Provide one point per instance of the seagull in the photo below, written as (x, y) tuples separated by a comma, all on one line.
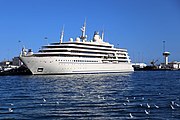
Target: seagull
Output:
[(177, 104), (156, 106), (146, 112), (11, 104), (10, 110), (57, 103), (131, 115), (142, 98), (103, 98), (44, 99), (134, 98), (124, 103), (172, 107), (99, 96), (148, 105), (141, 105), (113, 98), (172, 102), (128, 101)]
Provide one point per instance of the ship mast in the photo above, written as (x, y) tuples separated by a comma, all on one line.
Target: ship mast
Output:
[(102, 36), (62, 35), (83, 29)]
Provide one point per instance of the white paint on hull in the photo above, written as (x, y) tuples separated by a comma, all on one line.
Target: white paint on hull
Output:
[(66, 65)]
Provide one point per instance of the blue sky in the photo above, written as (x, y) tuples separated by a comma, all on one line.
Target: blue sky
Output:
[(141, 26)]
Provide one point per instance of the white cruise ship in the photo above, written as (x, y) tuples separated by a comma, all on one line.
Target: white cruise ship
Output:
[(77, 56)]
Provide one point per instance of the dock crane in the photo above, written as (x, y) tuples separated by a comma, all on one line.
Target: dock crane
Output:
[(153, 63)]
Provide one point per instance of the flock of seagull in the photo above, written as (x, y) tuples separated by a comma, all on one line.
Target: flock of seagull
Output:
[(173, 105)]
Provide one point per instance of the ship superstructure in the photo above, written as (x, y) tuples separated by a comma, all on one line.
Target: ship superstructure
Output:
[(77, 56)]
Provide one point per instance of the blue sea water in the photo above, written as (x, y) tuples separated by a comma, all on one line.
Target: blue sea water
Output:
[(149, 95)]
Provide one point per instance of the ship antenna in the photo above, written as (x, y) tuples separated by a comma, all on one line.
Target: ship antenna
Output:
[(102, 37), (164, 47), (62, 35), (83, 29)]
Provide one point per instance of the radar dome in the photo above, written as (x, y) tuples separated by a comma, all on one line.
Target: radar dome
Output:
[(78, 39), (70, 39), (96, 37)]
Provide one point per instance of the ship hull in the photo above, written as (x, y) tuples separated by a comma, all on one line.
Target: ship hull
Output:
[(66, 65)]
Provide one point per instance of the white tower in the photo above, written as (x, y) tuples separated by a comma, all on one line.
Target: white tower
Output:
[(166, 54)]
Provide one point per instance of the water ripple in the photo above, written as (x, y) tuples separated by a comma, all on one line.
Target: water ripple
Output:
[(137, 96)]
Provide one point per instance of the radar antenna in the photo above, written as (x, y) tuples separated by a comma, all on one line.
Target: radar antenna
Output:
[(164, 46), (62, 35), (83, 29), (102, 36)]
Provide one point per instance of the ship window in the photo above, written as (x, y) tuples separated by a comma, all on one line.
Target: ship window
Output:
[(40, 70)]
